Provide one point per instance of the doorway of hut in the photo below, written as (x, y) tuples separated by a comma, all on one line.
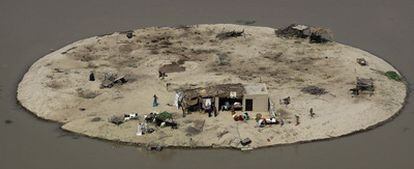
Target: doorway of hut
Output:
[(229, 103), (249, 105)]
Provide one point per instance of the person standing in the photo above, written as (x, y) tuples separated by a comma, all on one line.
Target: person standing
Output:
[(91, 76), (155, 101), (312, 114)]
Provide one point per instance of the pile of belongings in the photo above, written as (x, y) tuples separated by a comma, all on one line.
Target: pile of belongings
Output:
[(245, 142), (121, 119), (154, 148), (237, 105), (362, 61), (262, 122), (243, 117), (285, 101), (293, 30), (228, 106), (129, 33), (314, 90), (143, 129), (363, 84), (231, 34), (133, 116), (110, 80), (320, 35), (162, 119), (315, 34)]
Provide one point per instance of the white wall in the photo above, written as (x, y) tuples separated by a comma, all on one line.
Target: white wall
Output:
[(260, 102)]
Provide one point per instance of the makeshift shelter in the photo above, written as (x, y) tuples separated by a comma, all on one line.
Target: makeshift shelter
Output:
[(256, 98), (250, 97), (320, 35), (293, 30), (363, 85), (204, 98), (315, 34)]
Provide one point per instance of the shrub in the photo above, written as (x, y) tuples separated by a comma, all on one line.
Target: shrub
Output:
[(393, 75)]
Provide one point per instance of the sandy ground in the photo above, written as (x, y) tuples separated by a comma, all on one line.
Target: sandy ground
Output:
[(56, 87)]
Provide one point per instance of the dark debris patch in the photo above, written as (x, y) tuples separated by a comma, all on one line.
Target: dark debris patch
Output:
[(173, 67), (8, 121), (96, 119), (230, 34), (314, 90)]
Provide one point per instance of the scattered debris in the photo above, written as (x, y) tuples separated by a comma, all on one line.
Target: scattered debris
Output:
[(258, 116), (314, 90), (362, 61), (111, 79), (96, 119), (154, 148), (162, 75), (150, 118), (222, 133), (297, 120), (270, 138), (64, 52), (231, 34), (320, 35), (162, 119), (285, 101), (272, 56), (116, 120), (240, 117), (133, 116), (59, 70), (129, 34), (262, 122), (223, 59), (150, 130), (185, 27), (143, 129), (315, 34), (170, 68), (245, 142), (292, 31), (164, 116), (393, 75), (363, 84)]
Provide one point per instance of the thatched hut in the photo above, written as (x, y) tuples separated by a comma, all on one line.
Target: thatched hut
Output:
[(250, 97)]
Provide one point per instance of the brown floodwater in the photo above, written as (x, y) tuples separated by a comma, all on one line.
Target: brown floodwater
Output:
[(30, 29)]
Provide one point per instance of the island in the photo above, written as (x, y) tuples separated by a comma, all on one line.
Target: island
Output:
[(213, 86)]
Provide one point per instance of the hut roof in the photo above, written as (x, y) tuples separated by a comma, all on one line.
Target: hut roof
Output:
[(221, 90), (256, 89)]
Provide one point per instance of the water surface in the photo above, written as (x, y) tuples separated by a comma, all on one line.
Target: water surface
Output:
[(30, 29)]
